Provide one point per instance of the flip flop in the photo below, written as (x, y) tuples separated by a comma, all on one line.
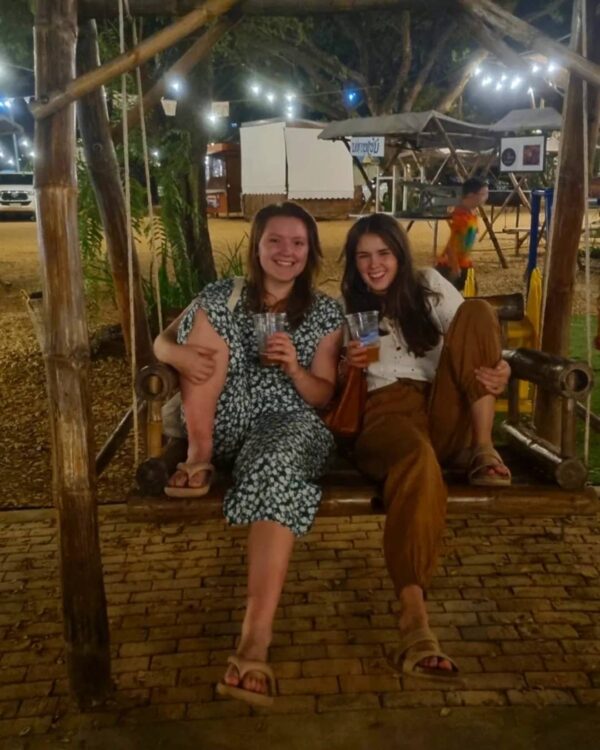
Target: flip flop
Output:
[(487, 458), (191, 469), (422, 644), (244, 666)]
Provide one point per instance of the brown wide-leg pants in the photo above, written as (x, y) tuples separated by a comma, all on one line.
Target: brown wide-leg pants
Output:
[(411, 428)]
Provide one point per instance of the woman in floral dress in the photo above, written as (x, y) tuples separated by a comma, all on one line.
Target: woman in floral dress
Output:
[(261, 421)]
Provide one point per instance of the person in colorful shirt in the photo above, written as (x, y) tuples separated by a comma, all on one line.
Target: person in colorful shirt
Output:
[(455, 260)]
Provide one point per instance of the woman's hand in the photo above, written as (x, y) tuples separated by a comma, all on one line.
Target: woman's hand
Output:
[(281, 349), (356, 354), (195, 363), (494, 378)]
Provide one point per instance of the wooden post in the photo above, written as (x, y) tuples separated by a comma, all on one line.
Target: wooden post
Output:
[(53, 101), (103, 166), (565, 234), (67, 356)]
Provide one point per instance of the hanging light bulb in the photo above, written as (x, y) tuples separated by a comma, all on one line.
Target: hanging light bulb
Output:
[(516, 82), (477, 72), (290, 96), (255, 88), (486, 81), (499, 86), (535, 68), (271, 97)]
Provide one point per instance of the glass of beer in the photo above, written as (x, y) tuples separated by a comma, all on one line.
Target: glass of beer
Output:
[(364, 327), (265, 325)]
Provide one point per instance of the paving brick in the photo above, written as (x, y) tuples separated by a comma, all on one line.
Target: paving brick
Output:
[(540, 698), (25, 690), (557, 679), (413, 699), (320, 667), (20, 727), (476, 698), (347, 702), (588, 697), (308, 686), (8, 709), (517, 663), (147, 648), (370, 683)]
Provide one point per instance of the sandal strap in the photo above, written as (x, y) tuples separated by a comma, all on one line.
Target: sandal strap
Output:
[(195, 467), (244, 666), (432, 649), (420, 635), (486, 458)]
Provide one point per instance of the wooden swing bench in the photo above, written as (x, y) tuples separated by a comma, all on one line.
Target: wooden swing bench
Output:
[(559, 486)]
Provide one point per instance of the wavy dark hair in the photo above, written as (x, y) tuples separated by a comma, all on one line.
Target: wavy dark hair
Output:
[(408, 299), (302, 295)]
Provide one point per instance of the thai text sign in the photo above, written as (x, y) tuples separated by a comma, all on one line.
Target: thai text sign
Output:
[(371, 146)]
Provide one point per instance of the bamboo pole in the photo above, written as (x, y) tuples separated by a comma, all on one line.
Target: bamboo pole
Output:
[(103, 167), (521, 31), (109, 8), (462, 172), (67, 356), (52, 102), (195, 54), (565, 233)]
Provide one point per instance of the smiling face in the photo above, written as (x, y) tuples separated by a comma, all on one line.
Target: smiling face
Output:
[(283, 248), (376, 263)]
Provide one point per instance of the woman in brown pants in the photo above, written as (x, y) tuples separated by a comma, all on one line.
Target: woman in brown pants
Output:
[(431, 399)]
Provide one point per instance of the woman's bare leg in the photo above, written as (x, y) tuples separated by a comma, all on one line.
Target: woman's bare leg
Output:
[(270, 547), (200, 401)]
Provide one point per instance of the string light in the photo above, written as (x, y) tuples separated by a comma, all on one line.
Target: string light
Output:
[(212, 118), (271, 97), (155, 153), (290, 96), (255, 89), (499, 86), (534, 68), (24, 142), (516, 82), (551, 67), (176, 85), (477, 72), (486, 81)]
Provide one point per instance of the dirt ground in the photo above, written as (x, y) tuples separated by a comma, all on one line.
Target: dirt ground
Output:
[(25, 475)]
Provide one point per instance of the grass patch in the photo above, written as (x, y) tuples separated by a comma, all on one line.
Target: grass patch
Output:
[(579, 351)]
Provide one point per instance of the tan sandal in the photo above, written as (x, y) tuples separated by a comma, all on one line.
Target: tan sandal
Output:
[(244, 666), (191, 469), (484, 458), (422, 644)]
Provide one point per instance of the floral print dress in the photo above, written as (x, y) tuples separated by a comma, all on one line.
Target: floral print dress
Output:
[(274, 441)]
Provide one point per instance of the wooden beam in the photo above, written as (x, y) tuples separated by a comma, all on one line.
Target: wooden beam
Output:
[(462, 172), (103, 166), (519, 30), (110, 9), (195, 54), (55, 100), (67, 357)]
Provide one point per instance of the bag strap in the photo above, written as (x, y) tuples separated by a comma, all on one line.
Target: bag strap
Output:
[(239, 282)]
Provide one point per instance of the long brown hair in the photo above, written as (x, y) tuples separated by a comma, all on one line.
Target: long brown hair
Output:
[(302, 294), (408, 299)]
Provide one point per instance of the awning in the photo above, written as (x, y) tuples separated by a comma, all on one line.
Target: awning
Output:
[(8, 127), (416, 129), (518, 120)]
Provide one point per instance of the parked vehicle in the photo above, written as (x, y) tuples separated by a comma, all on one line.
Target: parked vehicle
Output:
[(16, 193)]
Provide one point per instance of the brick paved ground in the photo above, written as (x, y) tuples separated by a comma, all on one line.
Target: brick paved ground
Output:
[(516, 601)]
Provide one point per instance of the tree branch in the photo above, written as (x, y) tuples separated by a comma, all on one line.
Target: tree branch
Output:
[(461, 80), (396, 87), (417, 87)]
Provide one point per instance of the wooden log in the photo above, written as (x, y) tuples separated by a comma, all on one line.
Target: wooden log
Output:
[(533, 39), (53, 101), (570, 473), (567, 219), (110, 9), (561, 377), (200, 49), (116, 439), (67, 358), (158, 374), (103, 166)]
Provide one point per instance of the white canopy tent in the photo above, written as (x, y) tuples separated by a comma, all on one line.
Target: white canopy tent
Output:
[(286, 160)]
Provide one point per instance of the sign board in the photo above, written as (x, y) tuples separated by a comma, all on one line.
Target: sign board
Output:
[(523, 154), (220, 109), (370, 146)]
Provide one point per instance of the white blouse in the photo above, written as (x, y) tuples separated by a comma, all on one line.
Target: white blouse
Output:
[(395, 361)]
